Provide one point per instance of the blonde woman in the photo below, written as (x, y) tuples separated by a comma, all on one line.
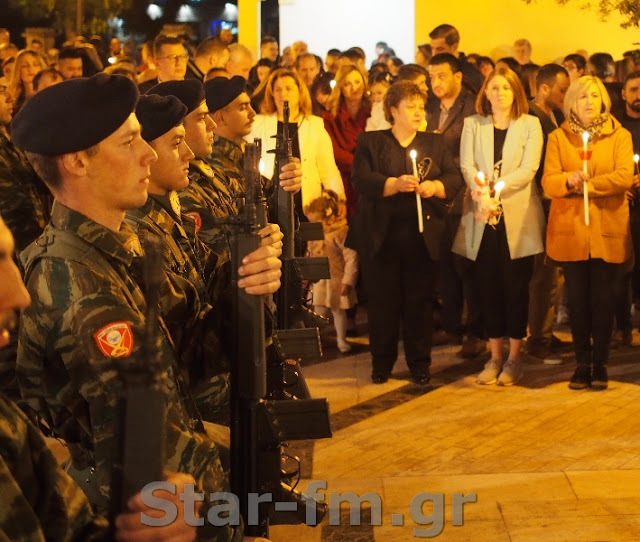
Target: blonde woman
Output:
[(28, 64), (591, 253), (348, 109), (310, 141)]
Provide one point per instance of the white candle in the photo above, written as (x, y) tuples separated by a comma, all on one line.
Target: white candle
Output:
[(585, 168), (636, 158), (413, 154), (498, 188)]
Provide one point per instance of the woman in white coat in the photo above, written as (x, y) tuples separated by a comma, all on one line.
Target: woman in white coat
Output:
[(311, 142), (502, 144)]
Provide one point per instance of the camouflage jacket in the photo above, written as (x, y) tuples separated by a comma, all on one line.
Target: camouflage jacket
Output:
[(205, 200), (226, 160), (201, 350), (38, 500), (226, 163), (87, 314), (25, 206), (25, 201)]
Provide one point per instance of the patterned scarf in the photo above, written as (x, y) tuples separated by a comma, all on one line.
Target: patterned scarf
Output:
[(594, 129)]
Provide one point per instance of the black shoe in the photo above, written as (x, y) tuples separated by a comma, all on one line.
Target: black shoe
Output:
[(379, 378), (599, 377), (421, 380), (421, 377), (581, 379)]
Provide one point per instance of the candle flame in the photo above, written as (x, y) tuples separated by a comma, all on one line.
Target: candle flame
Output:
[(261, 167), (332, 84), (636, 158), (413, 154), (480, 175), (585, 136), (499, 186)]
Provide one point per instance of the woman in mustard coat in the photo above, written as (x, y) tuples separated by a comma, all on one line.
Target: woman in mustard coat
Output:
[(591, 249)]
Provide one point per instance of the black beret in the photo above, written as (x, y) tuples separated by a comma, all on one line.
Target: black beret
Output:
[(74, 115), (158, 114), (221, 91), (189, 92)]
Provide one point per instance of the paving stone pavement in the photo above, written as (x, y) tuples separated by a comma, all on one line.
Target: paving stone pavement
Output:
[(545, 463)]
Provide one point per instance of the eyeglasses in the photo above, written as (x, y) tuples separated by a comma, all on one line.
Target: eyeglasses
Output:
[(175, 58)]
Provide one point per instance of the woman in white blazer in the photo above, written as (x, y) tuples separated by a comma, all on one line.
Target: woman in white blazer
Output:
[(311, 142), (504, 144)]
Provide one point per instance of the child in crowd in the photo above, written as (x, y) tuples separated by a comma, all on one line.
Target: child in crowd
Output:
[(337, 293)]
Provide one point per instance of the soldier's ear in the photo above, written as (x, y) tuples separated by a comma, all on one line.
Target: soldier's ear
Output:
[(75, 163)]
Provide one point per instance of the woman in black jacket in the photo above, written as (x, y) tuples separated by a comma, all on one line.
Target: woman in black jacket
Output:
[(397, 259)]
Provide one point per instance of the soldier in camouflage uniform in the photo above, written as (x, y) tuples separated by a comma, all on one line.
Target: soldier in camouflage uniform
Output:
[(25, 204), (88, 310), (38, 501), (208, 196), (230, 108), (160, 218)]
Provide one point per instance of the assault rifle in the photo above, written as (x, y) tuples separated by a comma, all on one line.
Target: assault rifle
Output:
[(297, 334), (142, 405), (259, 426)]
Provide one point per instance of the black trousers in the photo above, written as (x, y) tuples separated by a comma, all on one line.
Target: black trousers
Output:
[(399, 283), (592, 287), (504, 285), (457, 281)]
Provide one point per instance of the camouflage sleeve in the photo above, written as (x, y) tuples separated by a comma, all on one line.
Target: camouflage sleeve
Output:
[(38, 501), (70, 337)]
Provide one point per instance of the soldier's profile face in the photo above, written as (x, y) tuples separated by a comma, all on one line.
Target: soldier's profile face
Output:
[(118, 173), (239, 115), (199, 127), (171, 170), (13, 294)]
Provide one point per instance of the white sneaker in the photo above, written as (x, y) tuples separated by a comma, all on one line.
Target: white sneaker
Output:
[(562, 316), (490, 372), (511, 373)]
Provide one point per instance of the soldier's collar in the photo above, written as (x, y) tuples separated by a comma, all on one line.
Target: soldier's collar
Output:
[(202, 167), (169, 202), (228, 147), (123, 245)]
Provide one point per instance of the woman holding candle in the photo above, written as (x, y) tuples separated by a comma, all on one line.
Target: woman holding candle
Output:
[(397, 260), (592, 251), (501, 146)]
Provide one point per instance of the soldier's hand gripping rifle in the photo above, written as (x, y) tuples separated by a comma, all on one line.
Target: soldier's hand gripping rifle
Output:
[(142, 409), (297, 334), (258, 427)]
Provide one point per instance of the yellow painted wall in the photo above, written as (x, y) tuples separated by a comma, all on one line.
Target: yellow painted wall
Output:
[(490, 27)]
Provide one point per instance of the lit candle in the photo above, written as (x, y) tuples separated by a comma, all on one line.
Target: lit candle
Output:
[(585, 168), (498, 188), (413, 154), (636, 158), (332, 84)]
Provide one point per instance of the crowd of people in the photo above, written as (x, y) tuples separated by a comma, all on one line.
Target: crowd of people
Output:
[(489, 193)]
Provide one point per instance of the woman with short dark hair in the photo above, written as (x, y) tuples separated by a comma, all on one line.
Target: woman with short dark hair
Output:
[(397, 259)]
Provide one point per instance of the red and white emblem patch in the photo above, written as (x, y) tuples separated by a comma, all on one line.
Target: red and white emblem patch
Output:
[(115, 340), (196, 218)]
